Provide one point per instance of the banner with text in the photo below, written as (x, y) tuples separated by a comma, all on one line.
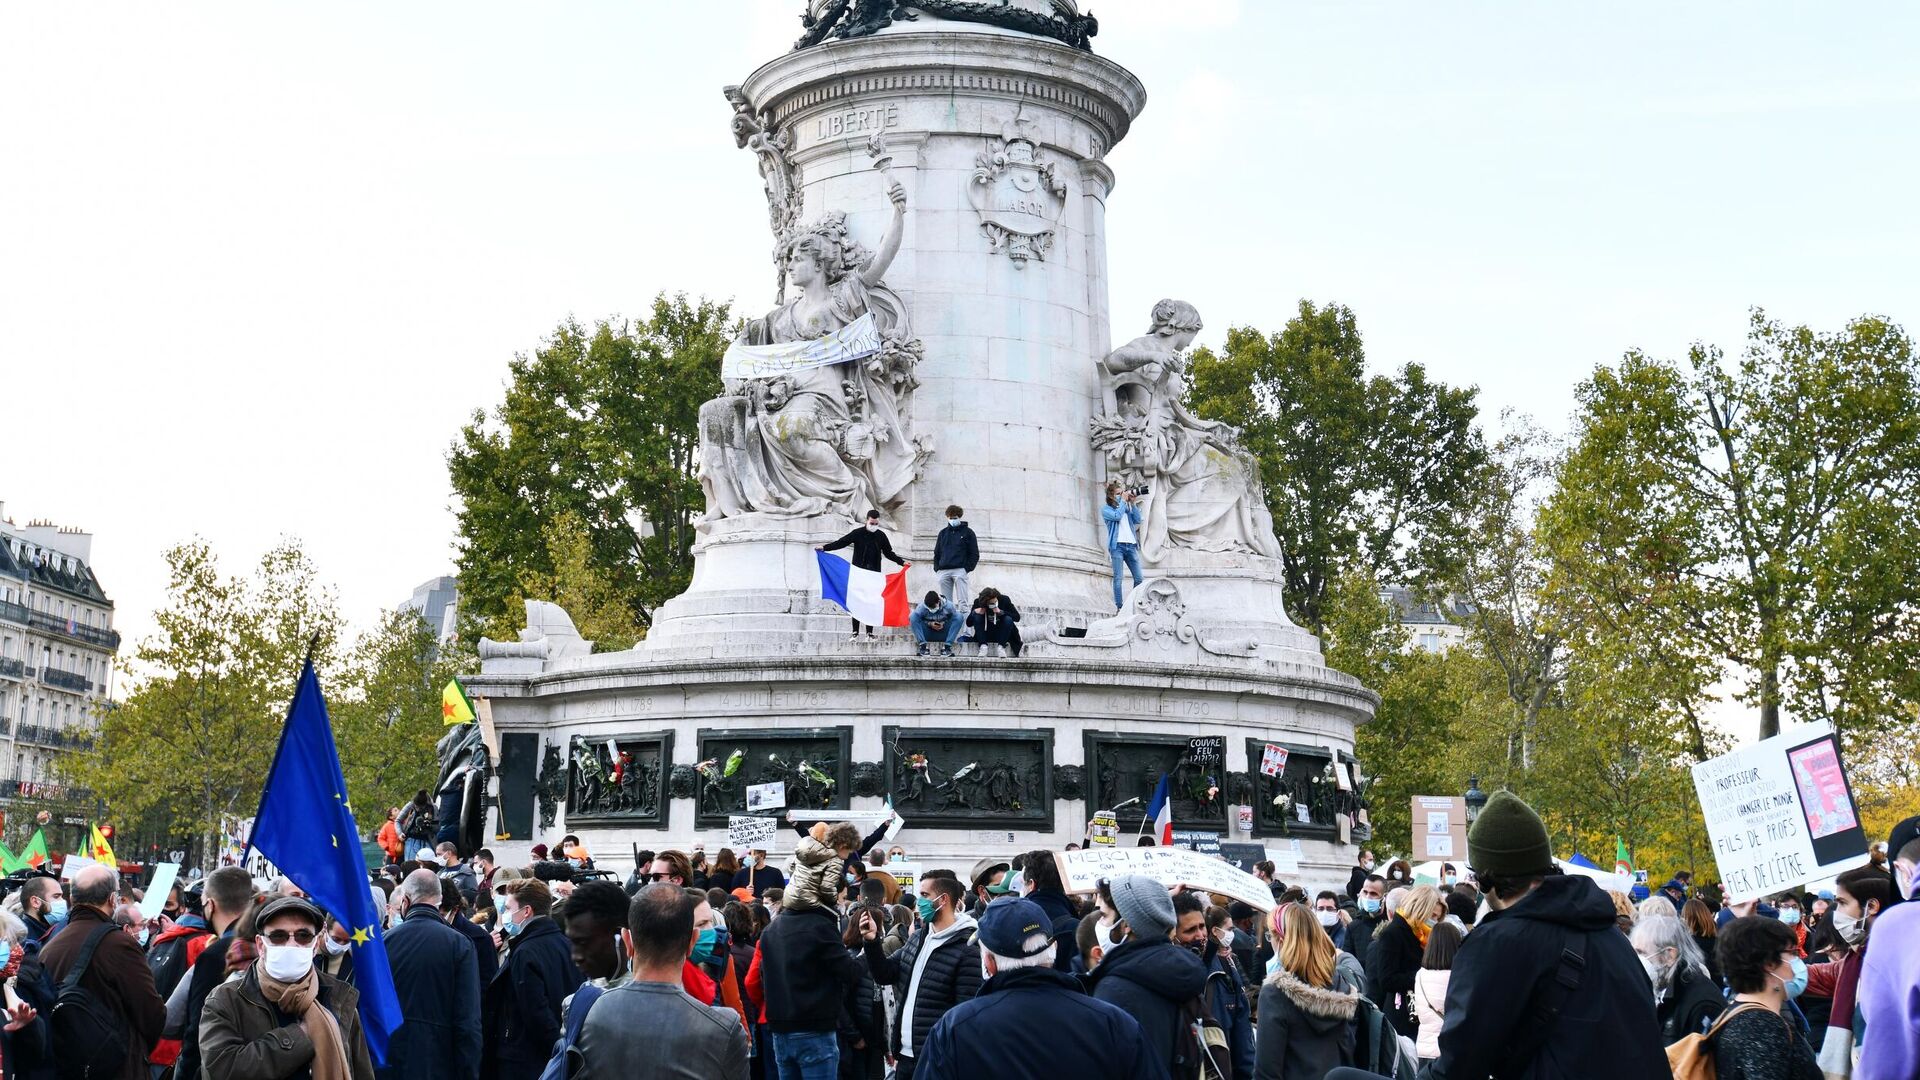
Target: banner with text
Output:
[(1780, 812), (1081, 870), (747, 833)]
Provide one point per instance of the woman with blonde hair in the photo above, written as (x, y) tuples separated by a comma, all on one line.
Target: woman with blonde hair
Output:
[(1394, 959), (1307, 1005)]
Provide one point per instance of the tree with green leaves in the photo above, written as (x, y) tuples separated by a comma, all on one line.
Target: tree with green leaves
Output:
[(1763, 514), (598, 436), (386, 715), (1368, 474)]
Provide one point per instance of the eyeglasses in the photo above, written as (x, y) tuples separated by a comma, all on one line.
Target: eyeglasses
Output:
[(298, 937), (661, 877)]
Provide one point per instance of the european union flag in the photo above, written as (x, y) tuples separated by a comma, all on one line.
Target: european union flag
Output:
[(305, 826)]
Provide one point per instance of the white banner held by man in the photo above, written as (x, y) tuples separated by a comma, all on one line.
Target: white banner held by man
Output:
[(1780, 812), (855, 341), (1081, 870)]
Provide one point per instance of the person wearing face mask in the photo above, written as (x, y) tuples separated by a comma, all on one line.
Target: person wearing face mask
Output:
[(994, 622), (520, 1008), (1365, 912), (1040, 882), (41, 906), (1859, 896), (956, 551), (334, 956), (1754, 1039), (1358, 875), (1686, 999), (708, 973), (226, 896), (1786, 908), (863, 1016), (450, 866), (280, 1018), (116, 973), (870, 545), (437, 979), (1148, 976), (1890, 973), (938, 968), (1395, 953), (1326, 909), (1225, 993)]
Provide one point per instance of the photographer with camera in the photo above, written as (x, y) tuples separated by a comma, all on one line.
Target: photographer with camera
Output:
[(1123, 517)]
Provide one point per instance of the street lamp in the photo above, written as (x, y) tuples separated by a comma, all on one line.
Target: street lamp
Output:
[(1476, 799)]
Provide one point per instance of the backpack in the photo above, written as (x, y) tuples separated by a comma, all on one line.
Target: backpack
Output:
[(566, 1059), (171, 958), (1692, 1057), (1201, 1050), (1376, 1045), (92, 1038)]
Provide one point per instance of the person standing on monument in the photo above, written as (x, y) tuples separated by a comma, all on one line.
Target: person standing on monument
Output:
[(956, 551), (870, 545), (1123, 517)]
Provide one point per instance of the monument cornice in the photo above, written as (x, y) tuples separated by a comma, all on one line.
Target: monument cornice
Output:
[(951, 62)]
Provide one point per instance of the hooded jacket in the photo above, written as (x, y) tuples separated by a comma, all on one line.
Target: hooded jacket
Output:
[(1036, 1024), (1063, 925), (956, 548), (1506, 976), (1304, 1030), (951, 976), (1151, 981)]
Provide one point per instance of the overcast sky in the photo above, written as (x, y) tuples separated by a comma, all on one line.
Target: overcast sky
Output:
[(258, 262)]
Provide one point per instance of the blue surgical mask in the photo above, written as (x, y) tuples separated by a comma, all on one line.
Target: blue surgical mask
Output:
[(57, 910), (1799, 983), (928, 909), (1789, 915), (508, 926), (145, 932), (1369, 905), (6, 952), (703, 945)]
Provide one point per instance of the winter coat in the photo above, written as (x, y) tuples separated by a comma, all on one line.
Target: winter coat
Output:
[(1691, 1003), (1063, 925), (1151, 981), (1392, 959), (390, 841), (1506, 976), (804, 971), (1036, 1024), (1361, 927), (243, 1036), (521, 1007), (437, 980), (117, 977), (1356, 879), (1429, 1009), (999, 627), (869, 547), (956, 548), (486, 958), (1229, 1003), (1304, 1030), (951, 976), (766, 877), (861, 1021)]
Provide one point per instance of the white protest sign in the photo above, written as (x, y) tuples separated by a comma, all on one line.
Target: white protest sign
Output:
[(807, 813), (1780, 812), (73, 865), (747, 833), (155, 901), (1081, 870), (766, 796), (906, 873), (1104, 830), (1273, 760), (894, 826), (859, 338)]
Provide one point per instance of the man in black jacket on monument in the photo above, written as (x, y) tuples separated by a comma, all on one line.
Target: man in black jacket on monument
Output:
[(956, 551), (870, 545)]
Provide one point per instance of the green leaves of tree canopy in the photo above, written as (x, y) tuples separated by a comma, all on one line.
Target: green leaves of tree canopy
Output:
[(598, 433), (1362, 472)]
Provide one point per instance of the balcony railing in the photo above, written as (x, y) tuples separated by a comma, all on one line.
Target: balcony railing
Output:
[(42, 735), (65, 680), (13, 612), (12, 667), (92, 635)]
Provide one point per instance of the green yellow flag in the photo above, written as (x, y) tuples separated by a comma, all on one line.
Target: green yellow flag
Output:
[(454, 706), (100, 851), (1622, 859), (33, 856)]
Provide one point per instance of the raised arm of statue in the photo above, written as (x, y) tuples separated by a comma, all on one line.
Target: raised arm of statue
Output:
[(890, 243)]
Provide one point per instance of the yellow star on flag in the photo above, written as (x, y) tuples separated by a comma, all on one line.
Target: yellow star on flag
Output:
[(363, 935)]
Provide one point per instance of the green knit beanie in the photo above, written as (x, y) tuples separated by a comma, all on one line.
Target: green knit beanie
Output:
[(1508, 839)]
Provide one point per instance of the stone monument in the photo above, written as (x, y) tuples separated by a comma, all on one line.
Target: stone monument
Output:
[(936, 191)]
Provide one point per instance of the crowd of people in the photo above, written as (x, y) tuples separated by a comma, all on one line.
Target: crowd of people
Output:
[(836, 969)]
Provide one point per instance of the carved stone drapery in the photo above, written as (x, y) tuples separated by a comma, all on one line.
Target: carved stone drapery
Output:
[(618, 779), (814, 763), (1307, 781), (869, 779), (957, 778), (1069, 782), (1129, 767), (551, 788)]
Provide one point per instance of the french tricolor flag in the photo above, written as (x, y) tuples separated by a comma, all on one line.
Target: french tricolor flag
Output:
[(1161, 811), (868, 595)]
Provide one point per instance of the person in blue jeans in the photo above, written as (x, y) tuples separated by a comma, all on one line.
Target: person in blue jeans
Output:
[(933, 619), (1123, 517)]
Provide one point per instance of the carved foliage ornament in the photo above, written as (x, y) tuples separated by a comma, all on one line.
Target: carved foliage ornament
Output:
[(1019, 197), (860, 18)]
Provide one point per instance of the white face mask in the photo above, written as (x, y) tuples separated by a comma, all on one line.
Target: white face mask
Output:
[(1327, 918), (287, 963), (1108, 933), (335, 948), (872, 527), (1851, 930)]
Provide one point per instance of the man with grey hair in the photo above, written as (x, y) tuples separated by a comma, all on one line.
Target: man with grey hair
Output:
[(436, 976), (116, 971), (1030, 1020), (1686, 999)]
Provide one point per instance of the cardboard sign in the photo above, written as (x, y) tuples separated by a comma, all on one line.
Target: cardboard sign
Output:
[(766, 796), (1780, 812), (1340, 776), (1206, 843), (1273, 760), (1207, 751), (1104, 829), (747, 833), (1439, 827), (1080, 870)]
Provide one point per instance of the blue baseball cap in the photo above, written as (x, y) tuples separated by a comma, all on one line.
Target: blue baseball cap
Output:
[(1007, 924)]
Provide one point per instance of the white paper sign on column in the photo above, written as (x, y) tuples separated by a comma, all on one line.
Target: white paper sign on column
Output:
[(1780, 812)]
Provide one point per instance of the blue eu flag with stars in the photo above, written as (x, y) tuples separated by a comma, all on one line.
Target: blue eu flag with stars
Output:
[(305, 827)]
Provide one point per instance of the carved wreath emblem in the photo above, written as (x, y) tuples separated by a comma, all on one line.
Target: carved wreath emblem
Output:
[(1019, 198)]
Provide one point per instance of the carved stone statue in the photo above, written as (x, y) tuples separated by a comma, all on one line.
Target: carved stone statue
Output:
[(1057, 19), (831, 438), (755, 131), (1204, 489)]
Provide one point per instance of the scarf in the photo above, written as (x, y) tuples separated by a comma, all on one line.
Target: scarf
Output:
[(1420, 929), (303, 1000), (1836, 1050)]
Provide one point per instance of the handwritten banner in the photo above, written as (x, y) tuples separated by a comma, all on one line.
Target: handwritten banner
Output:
[(1780, 812)]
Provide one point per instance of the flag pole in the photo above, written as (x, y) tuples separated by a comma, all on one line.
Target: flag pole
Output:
[(1143, 817)]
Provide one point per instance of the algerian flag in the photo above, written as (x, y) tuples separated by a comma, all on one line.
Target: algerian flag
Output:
[(1622, 860), (454, 706)]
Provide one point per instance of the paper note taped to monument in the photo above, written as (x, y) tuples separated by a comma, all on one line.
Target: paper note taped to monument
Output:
[(747, 833), (767, 796), (856, 340), (1081, 870), (1780, 812), (1273, 760)]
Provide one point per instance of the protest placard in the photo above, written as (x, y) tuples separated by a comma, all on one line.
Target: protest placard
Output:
[(1104, 830), (1273, 760), (747, 833), (1207, 751), (1439, 827), (906, 873), (1780, 812), (766, 796), (1206, 843), (155, 900), (1080, 870)]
